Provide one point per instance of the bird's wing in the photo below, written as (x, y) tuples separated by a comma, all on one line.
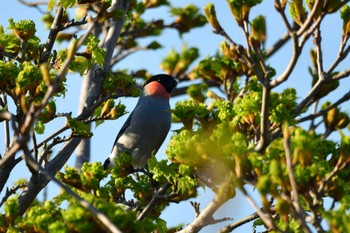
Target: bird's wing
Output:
[(122, 130)]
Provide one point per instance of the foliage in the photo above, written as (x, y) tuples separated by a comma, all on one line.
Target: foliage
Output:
[(239, 128)]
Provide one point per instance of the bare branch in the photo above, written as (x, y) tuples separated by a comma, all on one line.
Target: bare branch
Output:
[(34, 4), (341, 164), (342, 74), (9, 154), (114, 31), (205, 217), (345, 97), (342, 54), (306, 35), (238, 223), (52, 35), (264, 126), (7, 163), (72, 23), (120, 56), (280, 10), (310, 19), (319, 54), (293, 61), (264, 217), (11, 191), (275, 47)]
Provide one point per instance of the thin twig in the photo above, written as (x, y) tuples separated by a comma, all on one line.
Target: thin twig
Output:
[(120, 56), (11, 191), (153, 201), (33, 4), (345, 97), (306, 35), (342, 54), (280, 10), (9, 154), (72, 23), (239, 223), (52, 35), (310, 19), (264, 217), (275, 47), (341, 75), (339, 167), (292, 62), (35, 146), (205, 217)]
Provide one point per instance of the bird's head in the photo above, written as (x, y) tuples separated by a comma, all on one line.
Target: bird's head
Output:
[(160, 85)]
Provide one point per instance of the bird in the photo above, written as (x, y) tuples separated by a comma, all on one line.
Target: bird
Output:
[(148, 124)]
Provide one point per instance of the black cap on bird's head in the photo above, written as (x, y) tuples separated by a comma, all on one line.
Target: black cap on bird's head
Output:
[(167, 81)]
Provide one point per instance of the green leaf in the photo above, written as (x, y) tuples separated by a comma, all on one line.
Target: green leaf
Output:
[(97, 53), (39, 127), (11, 207), (154, 45), (79, 65), (161, 225), (51, 4), (169, 62), (67, 3), (80, 128)]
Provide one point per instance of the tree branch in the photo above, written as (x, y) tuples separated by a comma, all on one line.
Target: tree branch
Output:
[(38, 182), (300, 214), (264, 217), (102, 219), (52, 36), (275, 47), (238, 223), (264, 125), (205, 217), (310, 19), (345, 97), (156, 196), (114, 31), (342, 54), (90, 89), (293, 61), (10, 192)]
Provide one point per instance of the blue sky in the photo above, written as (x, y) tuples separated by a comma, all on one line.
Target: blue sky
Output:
[(207, 42)]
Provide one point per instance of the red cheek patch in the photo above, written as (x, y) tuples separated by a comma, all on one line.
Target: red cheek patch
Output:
[(156, 89)]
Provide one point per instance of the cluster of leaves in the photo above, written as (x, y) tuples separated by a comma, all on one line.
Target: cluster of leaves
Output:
[(30, 69), (219, 137), (26, 82), (295, 171), (217, 142), (106, 191), (23, 80), (221, 128)]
